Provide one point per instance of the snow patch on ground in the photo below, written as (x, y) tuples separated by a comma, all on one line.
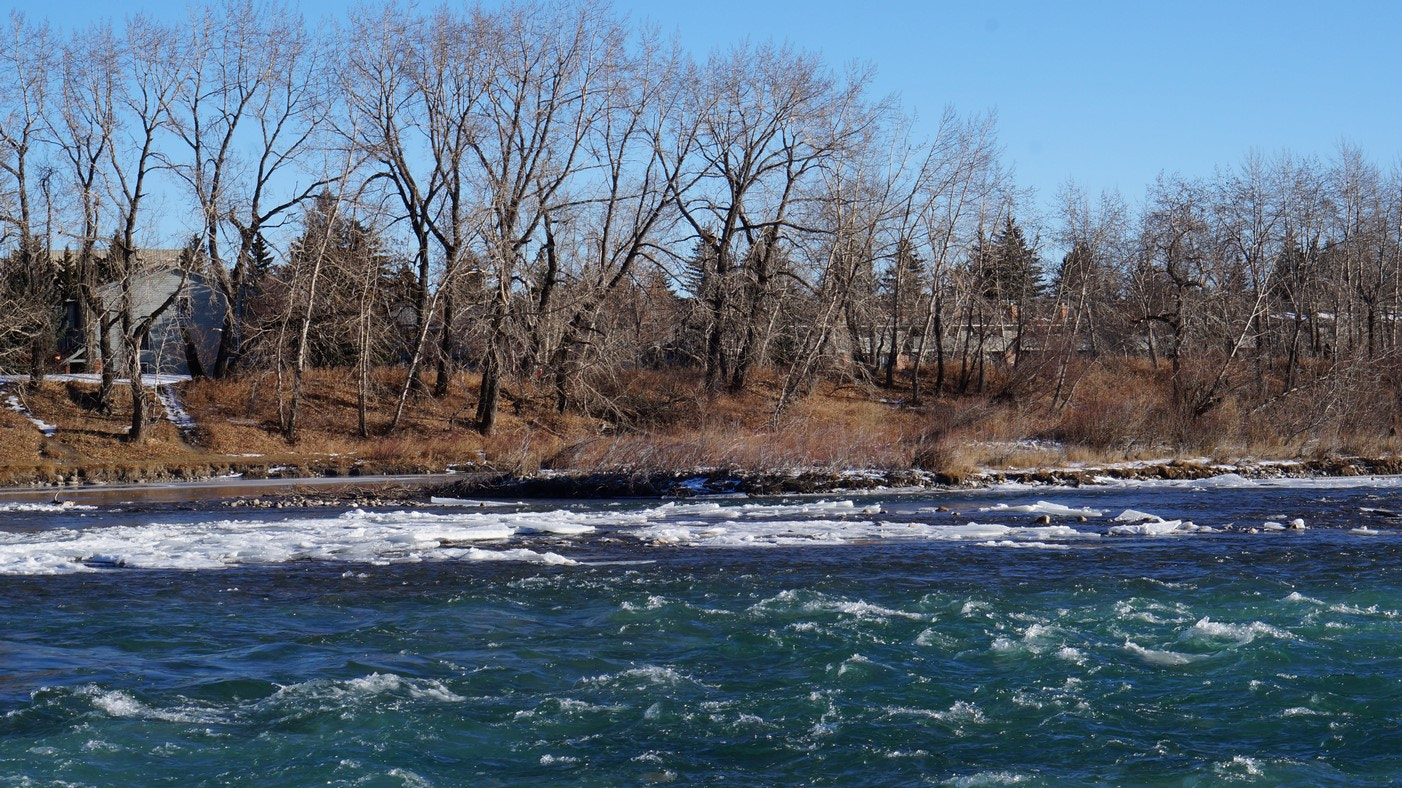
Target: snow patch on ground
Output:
[(13, 402), (94, 378), (175, 412)]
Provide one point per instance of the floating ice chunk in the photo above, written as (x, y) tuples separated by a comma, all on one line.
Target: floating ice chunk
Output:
[(1136, 516), (62, 506), (1379, 512), (1033, 545), (1272, 525), (441, 501), (559, 529), (1365, 531), (970, 531), (1297, 524), (1158, 528), (520, 554), (1043, 507), (713, 510)]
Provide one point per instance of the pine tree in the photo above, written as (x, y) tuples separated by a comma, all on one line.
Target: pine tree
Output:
[(260, 258)]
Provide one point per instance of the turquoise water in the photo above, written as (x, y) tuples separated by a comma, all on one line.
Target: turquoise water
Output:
[(790, 642)]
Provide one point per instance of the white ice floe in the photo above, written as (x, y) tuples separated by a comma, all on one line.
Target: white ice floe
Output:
[(13, 403), (1365, 531), (711, 509), (441, 501), (834, 532), (353, 537), (61, 506), (1153, 528), (1379, 512), (1235, 481), (1043, 507), (1136, 516)]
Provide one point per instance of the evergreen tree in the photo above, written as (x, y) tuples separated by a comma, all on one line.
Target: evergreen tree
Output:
[(1010, 273)]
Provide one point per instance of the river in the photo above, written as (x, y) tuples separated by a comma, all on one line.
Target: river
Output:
[(940, 637)]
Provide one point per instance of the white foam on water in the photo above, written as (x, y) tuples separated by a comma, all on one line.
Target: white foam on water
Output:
[(814, 602), (564, 706), (1239, 766), (1240, 634), (1296, 596), (1152, 612), (654, 602), (656, 675), (1371, 610), (116, 703), (1036, 639), (858, 662), (1043, 507), (960, 713), (339, 693), (988, 778), (410, 779), (1161, 658)]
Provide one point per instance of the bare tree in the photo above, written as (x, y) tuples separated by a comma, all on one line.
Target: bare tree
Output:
[(961, 176), (642, 142), (150, 84), (547, 73), (251, 103), (768, 116), (26, 62)]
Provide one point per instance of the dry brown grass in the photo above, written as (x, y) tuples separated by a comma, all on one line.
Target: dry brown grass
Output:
[(659, 420)]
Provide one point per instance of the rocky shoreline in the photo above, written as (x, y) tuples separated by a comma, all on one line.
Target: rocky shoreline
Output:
[(719, 482), (480, 483)]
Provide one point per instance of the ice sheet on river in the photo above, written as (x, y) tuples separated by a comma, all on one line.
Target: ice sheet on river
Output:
[(828, 532), (1043, 507), (479, 534), (355, 537)]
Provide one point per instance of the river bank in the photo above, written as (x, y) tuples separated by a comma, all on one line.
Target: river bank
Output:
[(285, 489)]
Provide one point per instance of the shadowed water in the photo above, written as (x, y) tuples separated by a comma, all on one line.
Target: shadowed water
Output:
[(791, 641)]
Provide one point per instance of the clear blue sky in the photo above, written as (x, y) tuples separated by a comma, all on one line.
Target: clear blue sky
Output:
[(1108, 93)]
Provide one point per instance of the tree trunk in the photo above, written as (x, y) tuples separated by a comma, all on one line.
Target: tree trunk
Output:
[(443, 379)]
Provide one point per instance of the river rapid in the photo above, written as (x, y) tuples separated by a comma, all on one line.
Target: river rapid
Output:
[(1202, 632)]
